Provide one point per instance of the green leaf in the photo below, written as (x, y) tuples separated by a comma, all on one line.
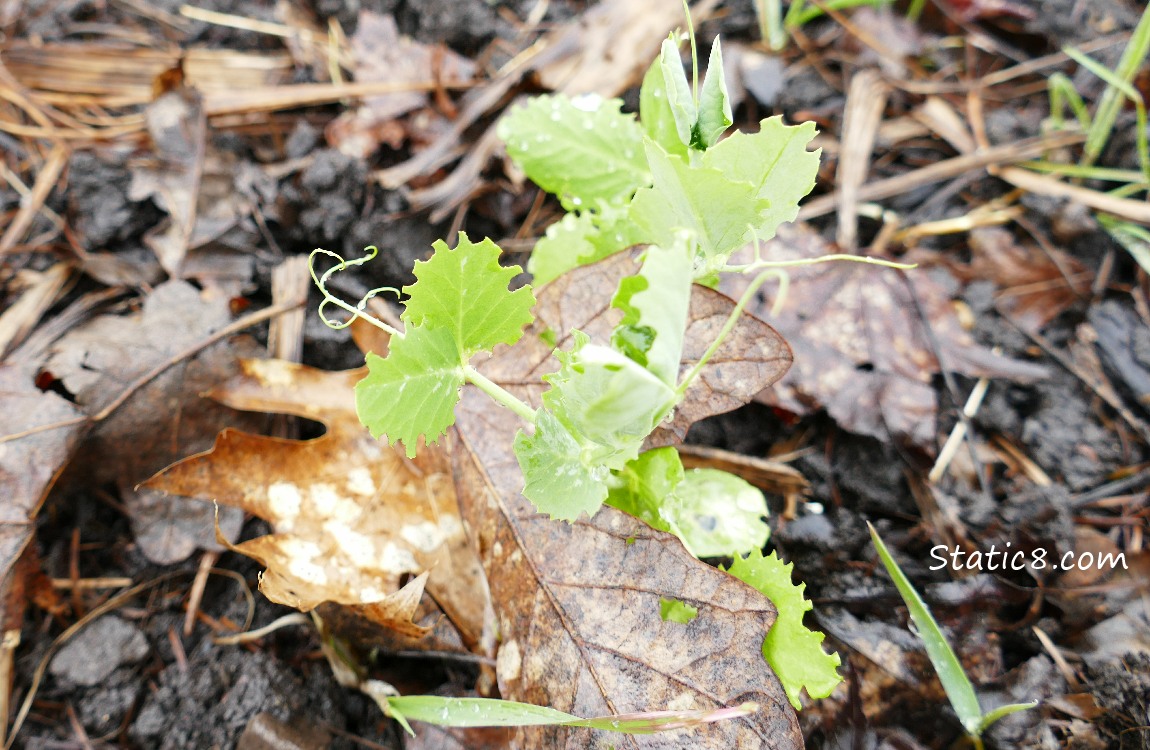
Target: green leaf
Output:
[(718, 211), (655, 303), (776, 161), (464, 291), (1002, 712), (679, 98), (655, 111), (720, 514), (607, 399), (579, 239), (558, 479), (489, 712), (412, 393), (473, 712), (714, 513), (559, 250), (645, 483), (714, 104), (794, 652), (673, 610), (946, 664), (583, 150)]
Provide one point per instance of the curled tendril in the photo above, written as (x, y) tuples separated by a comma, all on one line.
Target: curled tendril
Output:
[(358, 311)]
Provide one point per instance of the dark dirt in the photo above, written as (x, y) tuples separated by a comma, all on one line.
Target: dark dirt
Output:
[(128, 684)]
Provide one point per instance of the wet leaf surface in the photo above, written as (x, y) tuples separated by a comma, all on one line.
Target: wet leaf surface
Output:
[(579, 613)]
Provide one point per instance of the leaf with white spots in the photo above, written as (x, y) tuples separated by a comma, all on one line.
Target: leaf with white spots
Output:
[(351, 517)]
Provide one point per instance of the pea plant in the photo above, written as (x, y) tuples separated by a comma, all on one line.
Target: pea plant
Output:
[(671, 182)]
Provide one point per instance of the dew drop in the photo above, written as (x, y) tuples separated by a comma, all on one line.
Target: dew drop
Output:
[(614, 725)]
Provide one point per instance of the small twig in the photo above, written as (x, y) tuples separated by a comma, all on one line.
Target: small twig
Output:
[(196, 594), (950, 448)]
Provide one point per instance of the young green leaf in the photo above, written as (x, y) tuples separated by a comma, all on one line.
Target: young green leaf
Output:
[(776, 161), (680, 101), (714, 104), (720, 514), (412, 393), (714, 513), (794, 652), (464, 290), (607, 399), (489, 712), (655, 302), (558, 479), (579, 239), (583, 150), (655, 111), (717, 210), (673, 610)]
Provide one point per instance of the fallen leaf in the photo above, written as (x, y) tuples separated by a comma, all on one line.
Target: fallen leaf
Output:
[(579, 604), (352, 517), (1036, 287), (162, 421), (178, 127), (579, 612), (28, 465), (383, 55), (860, 348)]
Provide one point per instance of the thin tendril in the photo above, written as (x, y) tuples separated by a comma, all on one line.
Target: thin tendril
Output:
[(359, 310)]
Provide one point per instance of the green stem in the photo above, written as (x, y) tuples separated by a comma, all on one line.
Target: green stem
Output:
[(725, 331), (694, 54), (499, 394), (357, 313), (761, 264)]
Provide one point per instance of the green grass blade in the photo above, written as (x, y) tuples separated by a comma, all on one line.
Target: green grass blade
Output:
[(946, 664), (1001, 713), (489, 712), (1111, 102), (770, 13)]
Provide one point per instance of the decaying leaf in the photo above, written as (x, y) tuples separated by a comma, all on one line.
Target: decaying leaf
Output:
[(178, 126), (579, 604), (1036, 287), (28, 465), (579, 612), (860, 347), (162, 421), (382, 54), (352, 517)]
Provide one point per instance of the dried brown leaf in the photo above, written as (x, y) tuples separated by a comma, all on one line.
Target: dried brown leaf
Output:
[(578, 604), (383, 55), (30, 464), (578, 609), (752, 357), (178, 126), (861, 351), (352, 517), (1035, 287), (162, 421)]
